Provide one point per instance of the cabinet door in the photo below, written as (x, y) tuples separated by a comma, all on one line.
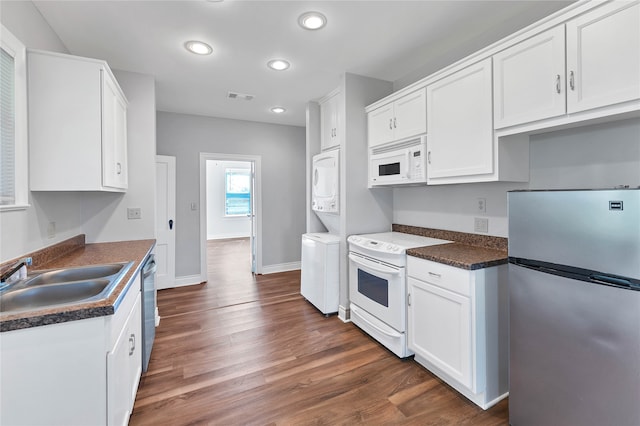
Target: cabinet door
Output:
[(410, 115), (64, 107), (439, 329), (124, 367), (460, 117), (114, 135), (380, 125), (330, 123), (529, 80), (603, 56), (135, 352), (118, 379)]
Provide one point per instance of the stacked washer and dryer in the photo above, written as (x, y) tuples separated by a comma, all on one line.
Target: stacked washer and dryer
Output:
[(320, 278)]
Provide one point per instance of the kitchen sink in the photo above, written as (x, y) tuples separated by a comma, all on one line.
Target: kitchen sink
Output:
[(51, 295), (62, 286), (65, 275)]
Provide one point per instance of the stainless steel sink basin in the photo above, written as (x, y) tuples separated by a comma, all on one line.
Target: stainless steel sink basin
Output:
[(50, 295), (62, 286), (75, 274)]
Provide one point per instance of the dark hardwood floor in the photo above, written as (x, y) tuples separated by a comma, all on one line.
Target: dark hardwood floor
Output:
[(244, 349)]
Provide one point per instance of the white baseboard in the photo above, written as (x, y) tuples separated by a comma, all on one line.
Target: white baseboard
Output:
[(226, 236), (185, 281), (281, 267), (343, 314)]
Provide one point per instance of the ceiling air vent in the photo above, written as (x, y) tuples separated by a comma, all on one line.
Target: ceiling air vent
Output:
[(235, 95)]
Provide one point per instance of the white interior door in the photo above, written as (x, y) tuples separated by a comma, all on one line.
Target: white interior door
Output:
[(165, 221)]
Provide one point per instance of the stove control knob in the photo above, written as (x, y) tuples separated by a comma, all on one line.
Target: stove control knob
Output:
[(396, 248)]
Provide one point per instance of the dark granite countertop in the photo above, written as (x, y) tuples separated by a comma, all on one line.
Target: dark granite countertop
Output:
[(467, 251), (461, 255), (75, 254)]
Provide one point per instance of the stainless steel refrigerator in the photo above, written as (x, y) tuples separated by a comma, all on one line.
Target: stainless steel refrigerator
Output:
[(574, 303)]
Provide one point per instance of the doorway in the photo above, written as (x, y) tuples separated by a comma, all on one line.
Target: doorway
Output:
[(230, 197)]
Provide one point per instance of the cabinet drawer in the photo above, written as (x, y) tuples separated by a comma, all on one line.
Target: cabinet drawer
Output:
[(444, 276)]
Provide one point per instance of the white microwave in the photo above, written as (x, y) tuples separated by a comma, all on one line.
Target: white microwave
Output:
[(399, 163)]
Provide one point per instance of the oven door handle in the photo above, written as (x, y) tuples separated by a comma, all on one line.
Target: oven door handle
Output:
[(373, 265)]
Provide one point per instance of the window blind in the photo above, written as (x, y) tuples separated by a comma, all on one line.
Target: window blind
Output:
[(7, 129)]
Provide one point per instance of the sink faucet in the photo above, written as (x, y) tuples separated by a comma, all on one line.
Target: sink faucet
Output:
[(15, 272)]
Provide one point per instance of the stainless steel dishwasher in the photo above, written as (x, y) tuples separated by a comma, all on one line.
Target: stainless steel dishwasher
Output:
[(148, 289)]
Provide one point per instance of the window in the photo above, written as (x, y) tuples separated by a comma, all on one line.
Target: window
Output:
[(237, 196), (13, 123)]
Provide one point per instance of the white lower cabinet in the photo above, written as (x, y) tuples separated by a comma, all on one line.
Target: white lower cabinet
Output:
[(442, 320), (457, 327), (82, 372), (124, 367)]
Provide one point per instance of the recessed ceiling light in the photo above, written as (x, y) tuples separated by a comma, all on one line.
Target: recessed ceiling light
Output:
[(312, 20), (278, 64), (278, 110), (198, 47)]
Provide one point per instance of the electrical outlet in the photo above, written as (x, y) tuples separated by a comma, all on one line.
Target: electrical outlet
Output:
[(51, 230), (134, 213), (481, 224), (481, 205)]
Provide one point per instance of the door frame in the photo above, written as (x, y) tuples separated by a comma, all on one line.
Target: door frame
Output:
[(257, 202)]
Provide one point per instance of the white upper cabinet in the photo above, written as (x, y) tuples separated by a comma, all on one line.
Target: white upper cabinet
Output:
[(401, 119), (529, 80), (77, 125), (330, 131), (459, 112), (114, 136), (535, 80), (603, 56)]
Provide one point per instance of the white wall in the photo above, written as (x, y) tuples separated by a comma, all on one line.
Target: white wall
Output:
[(596, 156), (218, 225), (282, 151)]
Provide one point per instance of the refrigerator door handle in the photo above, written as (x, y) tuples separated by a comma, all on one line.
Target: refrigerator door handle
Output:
[(575, 273), (616, 281)]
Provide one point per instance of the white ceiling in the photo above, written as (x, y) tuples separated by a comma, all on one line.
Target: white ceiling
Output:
[(390, 40)]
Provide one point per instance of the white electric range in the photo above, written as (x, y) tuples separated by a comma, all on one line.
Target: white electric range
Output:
[(378, 285)]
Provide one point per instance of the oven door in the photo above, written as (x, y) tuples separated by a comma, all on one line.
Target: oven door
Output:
[(379, 289)]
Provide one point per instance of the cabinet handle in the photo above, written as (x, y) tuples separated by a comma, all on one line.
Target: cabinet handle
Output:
[(390, 124), (119, 168), (558, 83), (429, 157), (433, 274), (572, 82), (132, 341), (409, 299), (394, 123)]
